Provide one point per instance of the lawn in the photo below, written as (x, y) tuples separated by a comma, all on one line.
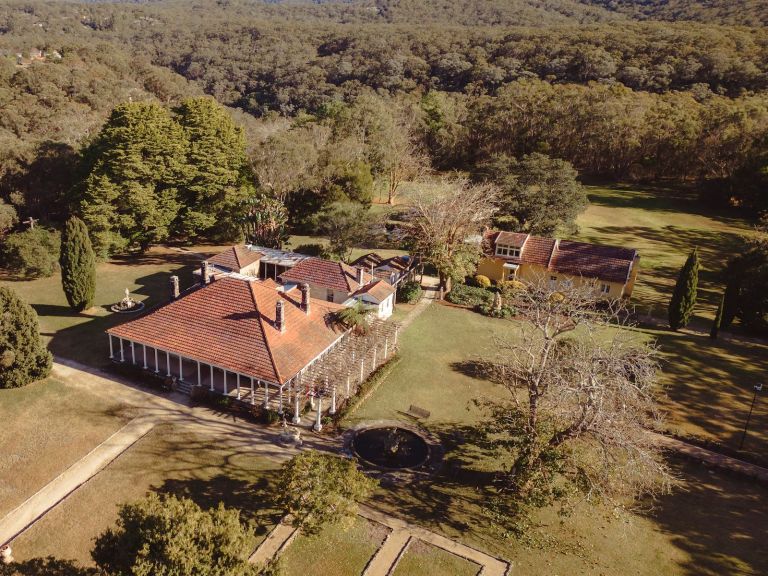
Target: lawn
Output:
[(48, 426), (664, 225), (81, 336), (422, 559), (169, 459), (678, 538), (709, 387), (335, 550)]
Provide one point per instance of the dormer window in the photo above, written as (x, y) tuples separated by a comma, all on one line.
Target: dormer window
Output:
[(509, 251)]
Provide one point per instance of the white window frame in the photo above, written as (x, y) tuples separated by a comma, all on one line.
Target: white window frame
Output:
[(504, 250), (605, 288)]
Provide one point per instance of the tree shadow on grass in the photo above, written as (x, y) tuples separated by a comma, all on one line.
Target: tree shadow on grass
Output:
[(719, 521), (49, 566)]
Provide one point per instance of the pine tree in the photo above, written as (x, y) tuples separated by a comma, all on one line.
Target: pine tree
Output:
[(23, 356), (217, 171), (717, 322), (684, 297), (137, 164), (78, 265)]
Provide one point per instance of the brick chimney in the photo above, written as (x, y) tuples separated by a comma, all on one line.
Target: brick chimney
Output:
[(280, 315), (174, 288), (360, 275), (305, 297), (204, 275)]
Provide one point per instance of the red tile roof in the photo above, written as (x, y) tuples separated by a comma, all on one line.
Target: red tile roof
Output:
[(335, 275), (608, 263), (380, 290), (236, 258), (230, 323)]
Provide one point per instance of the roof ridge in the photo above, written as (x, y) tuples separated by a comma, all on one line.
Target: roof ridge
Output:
[(251, 285)]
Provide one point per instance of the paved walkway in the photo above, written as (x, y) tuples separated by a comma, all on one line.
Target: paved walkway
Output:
[(713, 459), (490, 566), (278, 540), (387, 557), (19, 519)]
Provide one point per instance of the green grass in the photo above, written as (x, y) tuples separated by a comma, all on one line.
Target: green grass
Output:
[(169, 459), (709, 387), (335, 550), (664, 225), (436, 370), (81, 336), (679, 538), (48, 426), (422, 559)]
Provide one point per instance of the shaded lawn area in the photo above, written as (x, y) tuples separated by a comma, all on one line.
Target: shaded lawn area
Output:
[(81, 336), (709, 387), (423, 559), (170, 459), (48, 426), (681, 535), (335, 550), (664, 225)]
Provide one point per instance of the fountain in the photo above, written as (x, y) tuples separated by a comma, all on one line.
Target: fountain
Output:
[(390, 447), (127, 305)]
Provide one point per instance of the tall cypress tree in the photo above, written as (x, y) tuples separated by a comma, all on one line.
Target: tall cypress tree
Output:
[(684, 297), (716, 323), (78, 265), (23, 356)]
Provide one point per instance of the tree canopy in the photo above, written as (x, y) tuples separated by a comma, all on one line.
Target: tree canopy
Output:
[(23, 356)]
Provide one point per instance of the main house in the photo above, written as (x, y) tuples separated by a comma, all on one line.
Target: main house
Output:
[(528, 258), (253, 340)]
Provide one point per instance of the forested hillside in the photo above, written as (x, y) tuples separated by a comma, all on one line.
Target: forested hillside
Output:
[(738, 12), (444, 84)]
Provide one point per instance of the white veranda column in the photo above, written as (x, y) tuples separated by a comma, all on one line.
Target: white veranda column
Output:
[(253, 397), (199, 378), (266, 395), (296, 410), (318, 420), (211, 366), (157, 364), (168, 364), (280, 403), (225, 383), (111, 347), (133, 353), (333, 401), (122, 354), (181, 369), (144, 346), (238, 385)]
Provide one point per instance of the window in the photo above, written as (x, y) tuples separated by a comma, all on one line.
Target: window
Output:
[(502, 250), (605, 288), (329, 294)]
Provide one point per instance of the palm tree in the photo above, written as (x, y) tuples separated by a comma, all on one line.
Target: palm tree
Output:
[(357, 317)]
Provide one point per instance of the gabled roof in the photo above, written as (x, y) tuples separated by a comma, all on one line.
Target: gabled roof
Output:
[(236, 258), (230, 323), (608, 263), (379, 290), (326, 273)]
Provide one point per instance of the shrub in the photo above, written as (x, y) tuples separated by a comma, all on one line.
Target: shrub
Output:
[(33, 253), (270, 417), (482, 281), (409, 292), (23, 356), (311, 250), (471, 296)]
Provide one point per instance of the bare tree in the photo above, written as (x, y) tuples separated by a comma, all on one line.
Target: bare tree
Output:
[(582, 398), (443, 217)]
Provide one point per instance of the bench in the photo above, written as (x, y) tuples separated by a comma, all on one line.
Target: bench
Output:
[(417, 412)]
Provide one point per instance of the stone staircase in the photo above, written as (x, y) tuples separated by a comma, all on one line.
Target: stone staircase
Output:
[(184, 387)]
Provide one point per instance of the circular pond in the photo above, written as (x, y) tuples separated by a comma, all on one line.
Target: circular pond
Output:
[(390, 447)]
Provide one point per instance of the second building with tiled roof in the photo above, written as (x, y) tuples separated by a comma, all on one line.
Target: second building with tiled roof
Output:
[(528, 258)]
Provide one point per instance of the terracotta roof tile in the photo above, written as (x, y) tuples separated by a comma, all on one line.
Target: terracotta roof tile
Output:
[(231, 323), (236, 258), (380, 290), (327, 273), (537, 250), (514, 239), (609, 263)]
